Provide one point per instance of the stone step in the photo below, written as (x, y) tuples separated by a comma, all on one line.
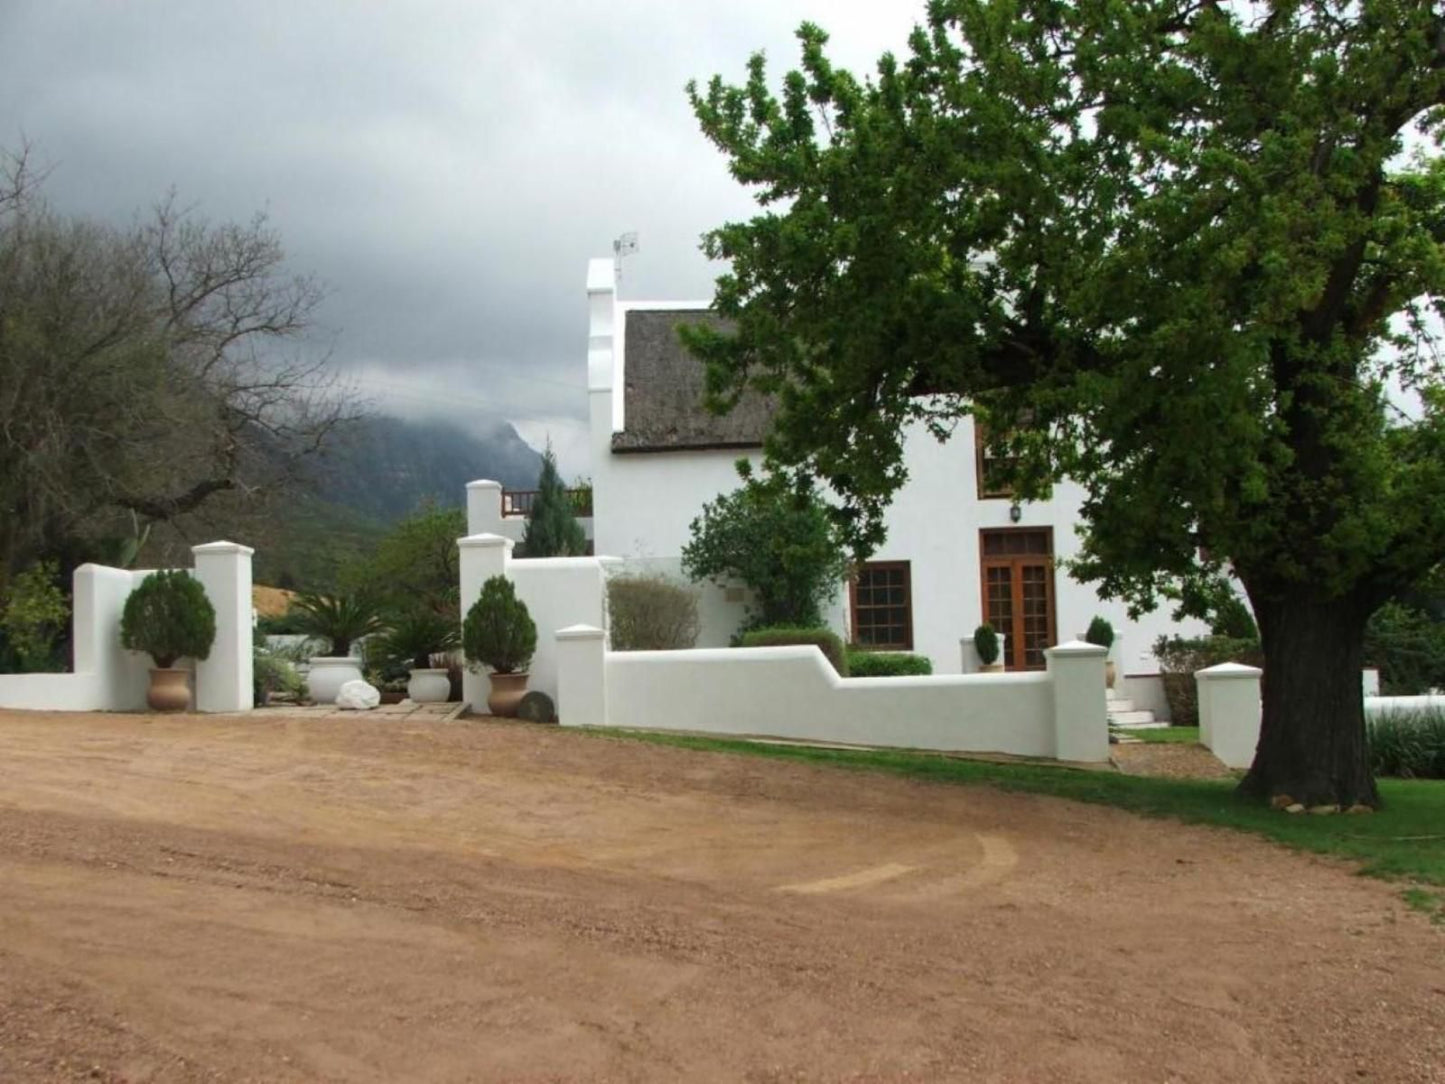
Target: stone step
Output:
[(1120, 704), (1133, 719)]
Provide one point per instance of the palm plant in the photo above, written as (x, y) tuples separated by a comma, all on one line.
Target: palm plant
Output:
[(337, 619), (418, 635)]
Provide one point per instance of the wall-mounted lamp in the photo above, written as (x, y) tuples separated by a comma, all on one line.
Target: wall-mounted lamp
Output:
[(1015, 513)]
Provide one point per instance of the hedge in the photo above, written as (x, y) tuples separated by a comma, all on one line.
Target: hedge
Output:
[(888, 664), (825, 639)]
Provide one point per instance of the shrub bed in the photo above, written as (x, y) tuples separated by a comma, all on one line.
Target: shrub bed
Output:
[(888, 664), (825, 639), (1408, 744), (650, 613)]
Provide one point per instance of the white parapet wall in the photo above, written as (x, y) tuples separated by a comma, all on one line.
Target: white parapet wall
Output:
[(558, 592), (106, 677), (794, 693)]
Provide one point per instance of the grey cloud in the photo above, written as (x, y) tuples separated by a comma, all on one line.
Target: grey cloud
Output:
[(446, 168)]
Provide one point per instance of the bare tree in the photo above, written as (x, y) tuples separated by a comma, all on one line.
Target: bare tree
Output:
[(147, 371)]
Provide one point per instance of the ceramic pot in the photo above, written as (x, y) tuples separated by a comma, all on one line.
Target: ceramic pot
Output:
[(995, 667), (429, 686), (328, 674), (169, 690), (1110, 674), (507, 692)]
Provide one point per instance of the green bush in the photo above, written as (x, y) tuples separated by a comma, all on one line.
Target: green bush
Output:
[(888, 664), (288, 624), (34, 618), (499, 632), (1408, 647), (1233, 619), (338, 619), (414, 637), (1100, 633), (168, 617), (1179, 657), (775, 535), (274, 671), (650, 613), (780, 636), (985, 642), (1408, 744)]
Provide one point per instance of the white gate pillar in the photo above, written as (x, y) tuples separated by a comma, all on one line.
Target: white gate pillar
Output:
[(481, 557), (581, 676), (224, 679), (1229, 712), (1081, 714)]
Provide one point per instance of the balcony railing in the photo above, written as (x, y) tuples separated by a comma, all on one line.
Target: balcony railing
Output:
[(518, 502)]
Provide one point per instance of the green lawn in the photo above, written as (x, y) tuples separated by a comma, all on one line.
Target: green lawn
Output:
[(1169, 735), (1405, 840)]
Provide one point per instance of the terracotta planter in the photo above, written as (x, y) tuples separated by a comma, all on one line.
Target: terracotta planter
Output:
[(991, 668), (169, 690), (328, 674), (507, 692), (429, 686), (1110, 674)]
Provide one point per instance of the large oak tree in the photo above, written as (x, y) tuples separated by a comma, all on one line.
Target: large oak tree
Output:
[(1184, 252)]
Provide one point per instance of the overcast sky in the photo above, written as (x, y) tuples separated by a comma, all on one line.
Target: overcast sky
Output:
[(445, 168)]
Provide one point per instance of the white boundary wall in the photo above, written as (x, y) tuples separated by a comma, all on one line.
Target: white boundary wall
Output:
[(793, 692), (109, 678), (558, 591)]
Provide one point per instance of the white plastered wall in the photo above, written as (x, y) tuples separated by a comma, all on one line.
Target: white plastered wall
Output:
[(643, 504)]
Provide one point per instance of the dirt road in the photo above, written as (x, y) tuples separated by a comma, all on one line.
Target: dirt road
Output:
[(244, 899)]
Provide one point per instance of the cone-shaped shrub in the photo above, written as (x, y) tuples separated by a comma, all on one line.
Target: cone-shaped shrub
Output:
[(499, 632), (985, 642), (168, 616)]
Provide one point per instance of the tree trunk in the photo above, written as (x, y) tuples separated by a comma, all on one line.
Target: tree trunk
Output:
[(1312, 734)]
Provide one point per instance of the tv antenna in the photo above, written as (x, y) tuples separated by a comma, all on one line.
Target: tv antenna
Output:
[(626, 245)]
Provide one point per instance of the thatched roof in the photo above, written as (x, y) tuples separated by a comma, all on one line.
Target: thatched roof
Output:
[(663, 386)]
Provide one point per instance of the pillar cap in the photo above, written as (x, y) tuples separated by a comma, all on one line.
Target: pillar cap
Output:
[(484, 483), (1076, 649), (485, 542), (580, 632), (223, 547), (1228, 670)]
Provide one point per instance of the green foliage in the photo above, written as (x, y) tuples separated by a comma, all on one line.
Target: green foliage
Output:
[(416, 635), (1177, 252), (1408, 647), (774, 534), (499, 632), (1100, 633), (1233, 620), (650, 613), (168, 616), (273, 670), (338, 619), (776, 636), (985, 642), (1408, 744), (887, 664), (34, 618), (552, 528), (1179, 657), (288, 624), (416, 564)]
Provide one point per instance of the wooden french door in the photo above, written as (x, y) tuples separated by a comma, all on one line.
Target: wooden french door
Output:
[(1018, 592)]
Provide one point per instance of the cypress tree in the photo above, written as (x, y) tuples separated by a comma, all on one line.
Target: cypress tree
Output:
[(552, 527)]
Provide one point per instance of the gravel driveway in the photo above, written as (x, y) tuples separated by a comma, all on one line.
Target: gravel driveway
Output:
[(276, 899)]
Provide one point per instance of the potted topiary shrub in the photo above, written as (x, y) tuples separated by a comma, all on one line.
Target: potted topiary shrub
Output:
[(340, 620), (499, 634), (414, 638), (985, 642), (1101, 634), (169, 617)]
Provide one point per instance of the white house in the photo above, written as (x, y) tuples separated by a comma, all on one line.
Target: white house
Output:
[(958, 551)]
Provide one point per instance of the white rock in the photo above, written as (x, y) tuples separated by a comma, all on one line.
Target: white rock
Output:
[(358, 696)]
